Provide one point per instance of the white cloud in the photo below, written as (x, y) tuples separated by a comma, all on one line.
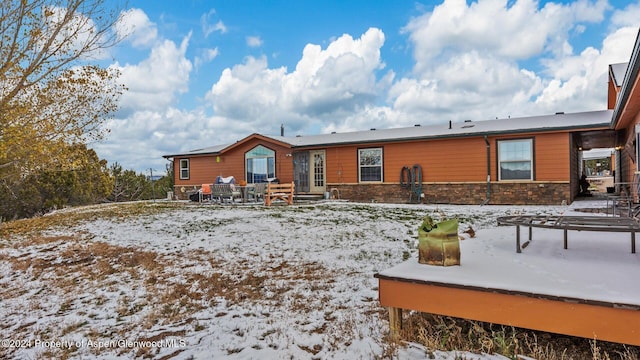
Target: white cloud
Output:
[(469, 61), (135, 27), (579, 82), (626, 17), (209, 25), (154, 82), (254, 41), (153, 133), (466, 67), (515, 31), (326, 84), (207, 55), (468, 86), (150, 134)]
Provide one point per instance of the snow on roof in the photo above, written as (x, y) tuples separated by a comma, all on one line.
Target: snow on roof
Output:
[(618, 71), (559, 121)]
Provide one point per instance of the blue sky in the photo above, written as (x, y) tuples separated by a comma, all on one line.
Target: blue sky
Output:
[(203, 73)]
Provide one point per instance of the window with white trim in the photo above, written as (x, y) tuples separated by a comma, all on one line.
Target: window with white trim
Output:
[(260, 164), (370, 165), (515, 159), (184, 169)]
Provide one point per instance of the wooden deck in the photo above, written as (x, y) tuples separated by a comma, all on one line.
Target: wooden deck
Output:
[(424, 288), (593, 320)]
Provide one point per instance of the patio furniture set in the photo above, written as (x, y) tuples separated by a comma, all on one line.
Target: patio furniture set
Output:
[(229, 193)]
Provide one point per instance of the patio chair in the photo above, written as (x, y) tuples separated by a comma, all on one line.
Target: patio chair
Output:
[(256, 192), (205, 192)]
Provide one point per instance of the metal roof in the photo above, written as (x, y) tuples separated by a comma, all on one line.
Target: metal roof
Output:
[(208, 150), (559, 121), (629, 79), (618, 71)]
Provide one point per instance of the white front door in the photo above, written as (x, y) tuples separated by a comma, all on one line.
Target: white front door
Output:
[(317, 175)]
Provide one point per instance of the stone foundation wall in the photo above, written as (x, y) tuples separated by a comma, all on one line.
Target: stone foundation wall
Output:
[(178, 194), (516, 193)]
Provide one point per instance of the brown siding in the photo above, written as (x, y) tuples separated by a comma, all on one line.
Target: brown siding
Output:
[(342, 164), (454, 170), (452, 160), (612, 95), (205, 168), (441, 160), (628, 165), (551, 156)]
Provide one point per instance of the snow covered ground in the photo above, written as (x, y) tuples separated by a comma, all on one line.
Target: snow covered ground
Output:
[(243, 282)]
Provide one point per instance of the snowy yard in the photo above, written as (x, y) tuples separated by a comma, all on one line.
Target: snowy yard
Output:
[(203, 281)]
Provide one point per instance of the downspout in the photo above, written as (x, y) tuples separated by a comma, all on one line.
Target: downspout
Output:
[(488, 197)]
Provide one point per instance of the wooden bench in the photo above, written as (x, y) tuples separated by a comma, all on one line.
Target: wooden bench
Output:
[(279, 191)]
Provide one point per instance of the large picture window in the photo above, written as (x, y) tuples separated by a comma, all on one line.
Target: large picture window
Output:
[(184, 169), (370, 165), (261, 164), (515, 159)]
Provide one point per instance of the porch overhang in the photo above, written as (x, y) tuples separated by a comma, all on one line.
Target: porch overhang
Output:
[(596, 139)]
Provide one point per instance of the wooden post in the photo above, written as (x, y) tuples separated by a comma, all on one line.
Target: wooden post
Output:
[(633, 242), (518, 250), (565, 238), (395, 321)]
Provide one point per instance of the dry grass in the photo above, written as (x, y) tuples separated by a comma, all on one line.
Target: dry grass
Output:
[(447, 333), (158, 296), (67, 218), (169, 290)]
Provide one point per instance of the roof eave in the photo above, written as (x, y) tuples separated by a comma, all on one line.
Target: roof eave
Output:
[(600, 126), (627, 84), (191, 155)]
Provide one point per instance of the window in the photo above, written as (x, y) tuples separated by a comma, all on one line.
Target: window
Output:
[(261, 164), (515, 159), (370, 164), (184, 169)]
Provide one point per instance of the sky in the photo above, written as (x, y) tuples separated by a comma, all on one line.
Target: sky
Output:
[(203, 73)]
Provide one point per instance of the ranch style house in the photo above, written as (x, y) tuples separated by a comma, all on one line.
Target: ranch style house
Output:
[(528, 160)]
